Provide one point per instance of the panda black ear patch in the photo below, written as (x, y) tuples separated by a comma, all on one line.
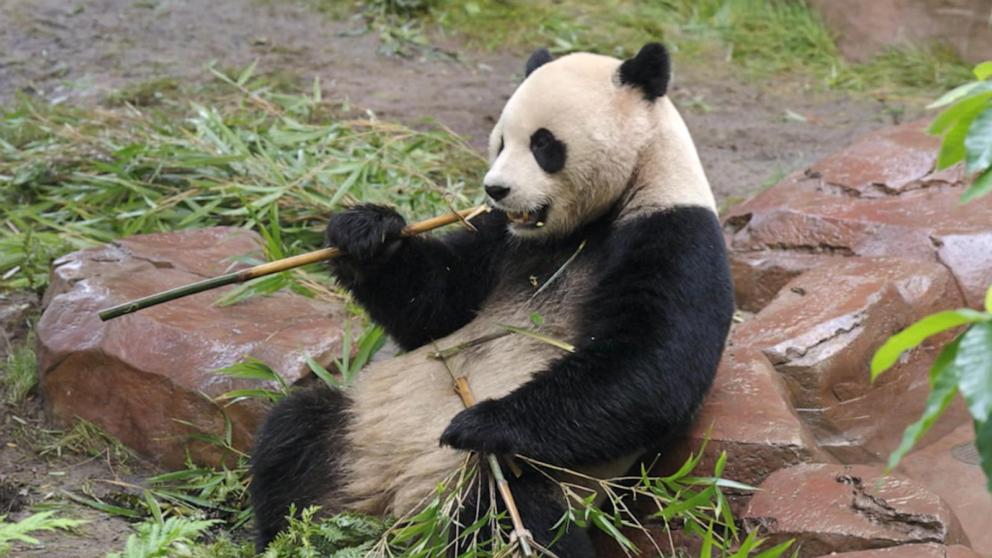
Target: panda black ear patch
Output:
[(649, 71), (539, 58)]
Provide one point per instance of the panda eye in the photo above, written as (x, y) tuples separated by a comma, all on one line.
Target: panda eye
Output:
[(541, 139), (501, 145), (549, 151)]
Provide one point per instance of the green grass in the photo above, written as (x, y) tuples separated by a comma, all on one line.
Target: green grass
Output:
[(758, 39), (19, 372), (240, 154), (26, 530)]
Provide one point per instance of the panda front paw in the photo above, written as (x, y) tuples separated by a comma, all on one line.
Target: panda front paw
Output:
[(482, 428), (365, 232)]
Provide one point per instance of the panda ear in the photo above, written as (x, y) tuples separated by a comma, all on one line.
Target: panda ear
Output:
[(539, 58), (649, 71)]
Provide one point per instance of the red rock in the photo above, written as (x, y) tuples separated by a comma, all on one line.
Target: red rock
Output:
[(913, 551), (759, 276), (866, 28), (838, 508), (879, 197), (820, 333), (138, 375), (950, 468), (747, 415)]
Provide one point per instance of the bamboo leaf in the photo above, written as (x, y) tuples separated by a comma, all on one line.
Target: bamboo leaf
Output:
[(563, 345), (322, 373), (250, 368), (777, 550)]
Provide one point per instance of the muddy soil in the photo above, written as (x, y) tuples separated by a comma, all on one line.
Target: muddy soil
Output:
[(749, 134), (31, 481)]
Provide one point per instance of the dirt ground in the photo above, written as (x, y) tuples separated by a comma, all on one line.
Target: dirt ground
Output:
[(749, 134)]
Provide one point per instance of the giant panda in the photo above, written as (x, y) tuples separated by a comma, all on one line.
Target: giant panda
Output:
[(604, 224)]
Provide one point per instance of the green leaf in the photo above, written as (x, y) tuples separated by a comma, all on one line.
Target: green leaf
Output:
[(707, 549), (247, 73), (983, 71), (983, 441), (974, 364), (563, 345), (988, 300), (250, 368), (20, 531), (889, 353), (371, 340), (599, 520), (956, 94), (102, 506), (944, 379), (979, 187), (962, 109), (259, 286), (238, 395), (978, 143), (322, 373), (777, 550)]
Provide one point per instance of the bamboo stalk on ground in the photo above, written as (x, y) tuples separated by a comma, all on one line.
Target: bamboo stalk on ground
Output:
[(274, 267)]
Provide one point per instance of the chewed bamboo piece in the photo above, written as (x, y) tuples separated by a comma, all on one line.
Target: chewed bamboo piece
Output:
[(277, 266)]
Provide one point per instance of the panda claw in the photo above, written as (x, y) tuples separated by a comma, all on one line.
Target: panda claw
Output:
[(479, 429)]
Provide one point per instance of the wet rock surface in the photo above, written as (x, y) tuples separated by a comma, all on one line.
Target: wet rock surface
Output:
[(843, 206), (820, 332), (832, 508), (831, 262), (748, 416), (147, 377), (950, 468), (913, 551)]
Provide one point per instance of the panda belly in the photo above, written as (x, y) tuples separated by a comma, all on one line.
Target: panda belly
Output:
[(400, 407)]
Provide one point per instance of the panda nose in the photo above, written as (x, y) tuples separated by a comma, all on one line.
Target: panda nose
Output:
[(497, 192)]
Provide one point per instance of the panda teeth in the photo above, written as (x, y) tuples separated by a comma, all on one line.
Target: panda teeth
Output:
[(519, 218)]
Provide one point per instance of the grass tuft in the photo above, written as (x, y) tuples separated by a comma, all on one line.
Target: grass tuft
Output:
[(757, 38), (19, 374), (82, 438)]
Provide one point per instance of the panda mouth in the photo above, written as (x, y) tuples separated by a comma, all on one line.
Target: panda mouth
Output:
[(534, 219)]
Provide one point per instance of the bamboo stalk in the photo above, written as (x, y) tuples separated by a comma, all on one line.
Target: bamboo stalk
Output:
[(523, 535), (274, 267)]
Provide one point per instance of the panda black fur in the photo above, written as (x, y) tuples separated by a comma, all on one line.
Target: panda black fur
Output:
[(591, 165)]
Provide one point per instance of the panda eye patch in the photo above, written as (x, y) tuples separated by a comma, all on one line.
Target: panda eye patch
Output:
[(549, 151), (501, 145)]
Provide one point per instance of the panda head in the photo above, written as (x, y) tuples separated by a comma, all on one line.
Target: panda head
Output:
[(584, 132)]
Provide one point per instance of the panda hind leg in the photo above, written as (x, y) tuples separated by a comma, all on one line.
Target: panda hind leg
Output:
[(295, 459)]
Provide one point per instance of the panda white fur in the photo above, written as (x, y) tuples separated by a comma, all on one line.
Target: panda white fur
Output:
[(587, 152)]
